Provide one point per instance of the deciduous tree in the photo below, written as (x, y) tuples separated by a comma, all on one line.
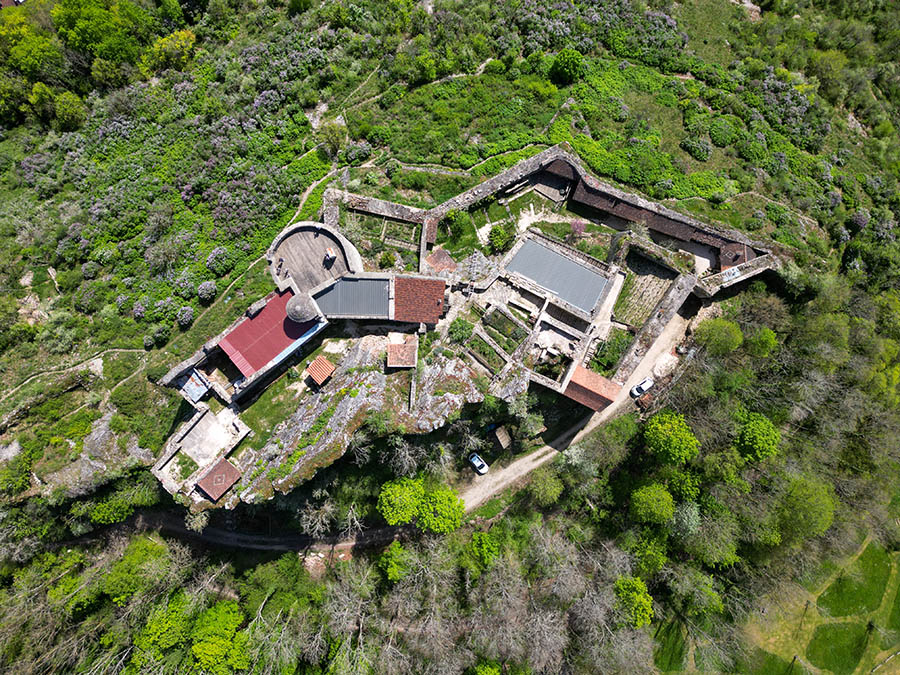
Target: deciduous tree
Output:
[(633, 599), (669, 437)]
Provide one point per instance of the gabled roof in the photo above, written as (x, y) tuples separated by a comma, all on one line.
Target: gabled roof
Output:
[(258, 339), (440, 261), (356, 297), (218, 479), (418, 300), (320, 370), (591, 389)]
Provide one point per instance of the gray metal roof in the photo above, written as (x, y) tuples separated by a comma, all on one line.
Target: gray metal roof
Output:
[(360, 298), (569, 280)]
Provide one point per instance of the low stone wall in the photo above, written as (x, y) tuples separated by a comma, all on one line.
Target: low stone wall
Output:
[(381, 207)]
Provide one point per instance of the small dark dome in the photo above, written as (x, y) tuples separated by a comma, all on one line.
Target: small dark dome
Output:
[(301, 308)]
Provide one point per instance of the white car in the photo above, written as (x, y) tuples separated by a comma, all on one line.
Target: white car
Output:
[(642, 387), (478, 464)]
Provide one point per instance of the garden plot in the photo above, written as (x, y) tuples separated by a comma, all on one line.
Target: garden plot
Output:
[(504, 331), (645, 285), (485, 354)]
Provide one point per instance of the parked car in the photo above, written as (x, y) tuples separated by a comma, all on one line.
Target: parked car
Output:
[(478, 464), (642, 387)]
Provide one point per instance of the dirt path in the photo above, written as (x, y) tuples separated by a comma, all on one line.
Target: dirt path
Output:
[(308, 191), (482, 488), (64, 369), (174, 525)]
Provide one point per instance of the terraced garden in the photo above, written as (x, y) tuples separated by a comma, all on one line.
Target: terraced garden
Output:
[(645, 285)]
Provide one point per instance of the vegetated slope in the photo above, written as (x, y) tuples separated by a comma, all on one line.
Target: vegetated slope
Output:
[(149, 162)]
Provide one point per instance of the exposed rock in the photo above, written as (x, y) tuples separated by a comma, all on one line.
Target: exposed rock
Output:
[(477, 268), (514, 382), (7, 452), (100, 456), (445, 386)]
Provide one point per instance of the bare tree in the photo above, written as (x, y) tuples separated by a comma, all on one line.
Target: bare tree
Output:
[(317, 519), (351, 523)]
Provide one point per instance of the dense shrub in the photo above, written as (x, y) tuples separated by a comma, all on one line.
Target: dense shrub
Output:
[(719, 336), (568, 66), (697, 148)]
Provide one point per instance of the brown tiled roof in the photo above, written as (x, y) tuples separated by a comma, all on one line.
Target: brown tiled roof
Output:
[(320, 370), (593, 197), (591, 389), (431, 227), (734, 253), (218, 479), (562, 169), (402, 356), (7, 3), (440, 261), (418, 300)]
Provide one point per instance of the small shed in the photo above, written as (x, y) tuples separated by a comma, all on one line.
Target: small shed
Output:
[(503, 437), (320, 370)]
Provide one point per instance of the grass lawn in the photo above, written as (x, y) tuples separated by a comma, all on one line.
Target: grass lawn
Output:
[(708, 21), (523, 203), (837, 646), (274, 405), (891, 635), (860, 587), (671, 647), (760, 662), (462, 245), (119, 365), (814, 580)]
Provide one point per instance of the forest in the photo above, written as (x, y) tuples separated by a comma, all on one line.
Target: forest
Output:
[(151, 149)]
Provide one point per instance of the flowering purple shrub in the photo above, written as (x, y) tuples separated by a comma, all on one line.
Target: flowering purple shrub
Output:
[(219, 261), (860, 219), (206, 291), (185, 316)]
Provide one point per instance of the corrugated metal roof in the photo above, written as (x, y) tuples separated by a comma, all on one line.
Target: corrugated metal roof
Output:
[(267, 334), (575, 283), (349, 297)]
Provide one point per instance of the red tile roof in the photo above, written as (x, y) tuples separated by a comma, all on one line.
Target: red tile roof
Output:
[(591, 389), (320, 370), (418, 300), (258, 339), (218, 479), (7, 3), (440, 261)]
